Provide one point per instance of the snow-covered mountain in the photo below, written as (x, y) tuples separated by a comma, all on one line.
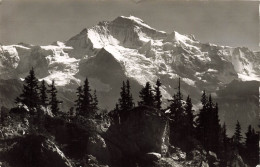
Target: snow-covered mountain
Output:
[(128, 48)]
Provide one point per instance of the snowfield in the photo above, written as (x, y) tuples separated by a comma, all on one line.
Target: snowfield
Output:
[(143, 53)]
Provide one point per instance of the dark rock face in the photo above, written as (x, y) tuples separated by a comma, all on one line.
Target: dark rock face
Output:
[(38, 151), (144, 130)]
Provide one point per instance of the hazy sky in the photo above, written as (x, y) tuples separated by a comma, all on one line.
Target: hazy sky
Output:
[(45, 21)]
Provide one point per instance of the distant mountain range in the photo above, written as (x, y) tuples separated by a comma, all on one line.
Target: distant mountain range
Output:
[(127, 48)]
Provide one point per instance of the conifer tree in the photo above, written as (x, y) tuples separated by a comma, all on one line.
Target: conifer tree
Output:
[(179, 95), (30, 96), (54, 102), (87, 101), (125, 101), (129, 98), (178, 119), (114, 114), (95, 102), (189, 117), (237, 136), (215, 130), (146, 96), (79, 101), (224, 136), (252, 147), (123, 106), (202, 120), (158, 95), (224, 146), (43, 94)]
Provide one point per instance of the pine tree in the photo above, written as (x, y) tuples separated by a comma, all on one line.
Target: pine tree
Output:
[(123, 106), (54, 102), (178, 119), (237, 136), (78, 102), (146, 96), (87, 100), (215, 130), (158, 95), (114, 114), (224, 146), (202, 121), (43, 94), (252, 147), (179, 95), (129, 98), (30, 96), (224, 136), (189, 117), (95, 102), (248, 136), (86, 103)]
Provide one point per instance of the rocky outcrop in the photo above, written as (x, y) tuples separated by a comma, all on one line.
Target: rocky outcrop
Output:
[(34, 151), (140, 139), (144, 130)]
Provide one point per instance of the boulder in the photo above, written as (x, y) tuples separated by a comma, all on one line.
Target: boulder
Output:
[(152, 156), (237, 161), (142, 130), (98, 148), (36, 150)]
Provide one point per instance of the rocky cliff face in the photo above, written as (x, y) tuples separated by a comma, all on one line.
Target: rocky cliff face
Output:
[(127, 48)]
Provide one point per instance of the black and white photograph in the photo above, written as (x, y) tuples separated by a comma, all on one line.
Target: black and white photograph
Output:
[(129, 83)]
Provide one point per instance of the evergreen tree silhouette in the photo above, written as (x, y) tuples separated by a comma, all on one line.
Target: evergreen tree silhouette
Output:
[(43, 94), (202, 121), (129, 98), (215, 130), (87, 101), (237, 136), (158, 95), (114, 114), (224, 146), (95, 102), (30, 96), (125, 101), (123, 106), (146, 96), (178, 119), (54, 102), (79, 101), (252, 147), (189, 117)]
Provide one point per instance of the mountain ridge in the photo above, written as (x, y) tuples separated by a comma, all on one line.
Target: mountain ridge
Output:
[(128, 48)]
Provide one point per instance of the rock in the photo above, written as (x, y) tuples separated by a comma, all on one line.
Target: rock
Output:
[(152, 156), (98, 148), (204, 164), (176, 153), (182, 155), (142, 130), (1, 135), (212, 158), (172, 149), (168, 162), (38, 151), (237, 161)]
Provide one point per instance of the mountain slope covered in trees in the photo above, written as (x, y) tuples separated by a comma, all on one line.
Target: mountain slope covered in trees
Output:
[(144, 135)]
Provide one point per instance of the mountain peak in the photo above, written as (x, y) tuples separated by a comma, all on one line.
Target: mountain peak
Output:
[(132, 20)]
